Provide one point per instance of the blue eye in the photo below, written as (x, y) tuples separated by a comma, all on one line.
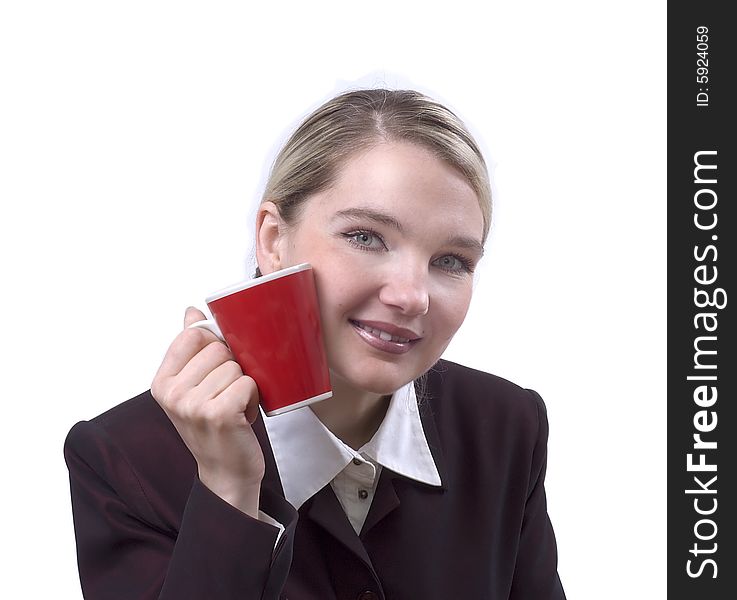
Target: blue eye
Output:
[(365, 240), (362, 238), (454, 264)]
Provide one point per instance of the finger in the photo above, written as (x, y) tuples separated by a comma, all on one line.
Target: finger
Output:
[(252, 411), (243, 393), (192, 315), (183, 349), (227, 408), (208, 359), (219, 379)]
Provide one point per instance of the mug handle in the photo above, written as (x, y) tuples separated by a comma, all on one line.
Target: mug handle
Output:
[(211, 326)]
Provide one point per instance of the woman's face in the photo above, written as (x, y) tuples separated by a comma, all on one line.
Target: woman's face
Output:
[(393, 245)]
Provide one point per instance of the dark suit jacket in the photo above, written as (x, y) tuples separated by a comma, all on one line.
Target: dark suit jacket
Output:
[(147, 528)]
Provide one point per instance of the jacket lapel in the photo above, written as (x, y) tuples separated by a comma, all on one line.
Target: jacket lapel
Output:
[(385, 500), (325, 509)]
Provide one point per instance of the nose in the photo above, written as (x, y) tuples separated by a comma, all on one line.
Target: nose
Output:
[(407, 288)]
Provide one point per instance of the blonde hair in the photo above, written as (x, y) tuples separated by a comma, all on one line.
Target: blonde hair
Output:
[(356, 120)]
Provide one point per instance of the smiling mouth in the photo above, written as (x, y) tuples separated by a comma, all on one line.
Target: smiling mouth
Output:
[(387, 337), (383, 335), (377, 339)]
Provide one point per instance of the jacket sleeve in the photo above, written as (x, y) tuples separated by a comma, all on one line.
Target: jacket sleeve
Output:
[(536, 570), (126, 551)]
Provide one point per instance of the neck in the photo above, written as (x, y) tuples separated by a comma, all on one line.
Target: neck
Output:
[(353, 416)]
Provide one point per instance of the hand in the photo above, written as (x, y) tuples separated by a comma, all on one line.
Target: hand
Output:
[(212, 405)]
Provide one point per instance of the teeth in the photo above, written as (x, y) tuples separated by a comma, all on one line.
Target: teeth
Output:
[(383, 334)]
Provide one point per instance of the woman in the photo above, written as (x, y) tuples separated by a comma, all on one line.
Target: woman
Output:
[(419, 478)]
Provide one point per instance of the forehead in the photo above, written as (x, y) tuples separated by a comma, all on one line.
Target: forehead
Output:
[(409, 183)]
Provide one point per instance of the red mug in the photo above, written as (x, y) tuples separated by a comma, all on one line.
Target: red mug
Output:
[(272, 326)]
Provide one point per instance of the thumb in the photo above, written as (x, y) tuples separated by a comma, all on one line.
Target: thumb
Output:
[(192, 315)]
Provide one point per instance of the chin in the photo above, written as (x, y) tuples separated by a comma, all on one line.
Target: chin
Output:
[(377, 379)]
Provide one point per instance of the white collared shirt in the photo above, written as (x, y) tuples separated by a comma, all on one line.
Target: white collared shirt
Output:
[(309, 456)]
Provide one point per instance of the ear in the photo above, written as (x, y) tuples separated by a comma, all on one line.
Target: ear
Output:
[(270, 230)]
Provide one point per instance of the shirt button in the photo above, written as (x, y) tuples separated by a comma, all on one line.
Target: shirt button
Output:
[(367, 595), (363, 494), (357, 462)]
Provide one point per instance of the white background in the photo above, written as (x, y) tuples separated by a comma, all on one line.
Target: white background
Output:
[(134, 142)]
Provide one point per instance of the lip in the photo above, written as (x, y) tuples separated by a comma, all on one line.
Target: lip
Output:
[(390, 329), (385, 345)]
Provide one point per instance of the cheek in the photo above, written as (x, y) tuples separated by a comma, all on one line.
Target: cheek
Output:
[(455, 307), (338, 288)]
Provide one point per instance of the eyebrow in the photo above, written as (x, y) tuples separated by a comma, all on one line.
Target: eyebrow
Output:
[(468, 243), (371, 214), (460, 241)]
